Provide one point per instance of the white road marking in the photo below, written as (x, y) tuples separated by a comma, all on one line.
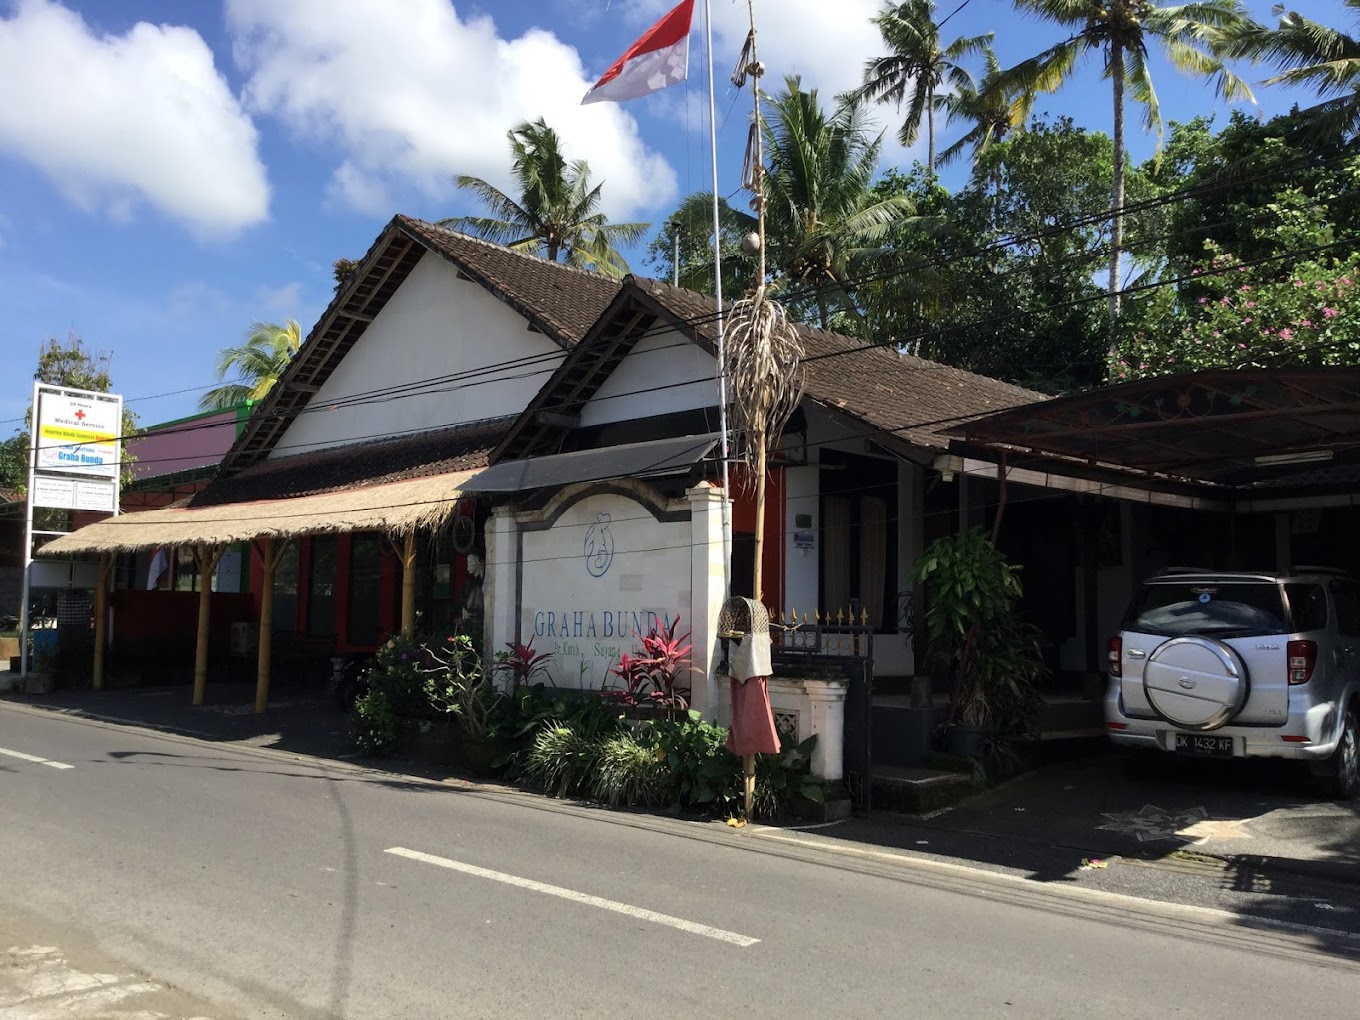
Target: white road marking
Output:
[(35, 759), (693, 927)]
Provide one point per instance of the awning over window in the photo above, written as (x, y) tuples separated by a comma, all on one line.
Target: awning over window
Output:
[(635, 460)]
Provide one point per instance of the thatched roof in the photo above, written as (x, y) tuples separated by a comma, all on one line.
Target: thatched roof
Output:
[(394, 507)]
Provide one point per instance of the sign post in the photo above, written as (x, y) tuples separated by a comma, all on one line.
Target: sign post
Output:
[(75, 459)]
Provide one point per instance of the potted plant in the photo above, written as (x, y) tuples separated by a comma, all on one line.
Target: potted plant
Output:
[(972, 616), (457, 683)]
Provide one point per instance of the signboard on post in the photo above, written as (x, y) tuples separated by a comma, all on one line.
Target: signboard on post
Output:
[(78, 432), (75, 446)]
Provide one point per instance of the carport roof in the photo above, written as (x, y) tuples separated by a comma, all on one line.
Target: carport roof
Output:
[(1222, 427)]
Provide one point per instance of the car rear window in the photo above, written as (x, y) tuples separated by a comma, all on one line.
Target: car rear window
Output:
[(1222, 609)]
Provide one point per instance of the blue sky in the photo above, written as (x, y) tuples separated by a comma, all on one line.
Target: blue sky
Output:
[(171, 170)]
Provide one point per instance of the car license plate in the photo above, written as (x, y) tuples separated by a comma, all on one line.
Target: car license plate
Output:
[(1202, 746)]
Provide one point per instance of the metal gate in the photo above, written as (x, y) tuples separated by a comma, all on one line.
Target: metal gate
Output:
[(843, 644)]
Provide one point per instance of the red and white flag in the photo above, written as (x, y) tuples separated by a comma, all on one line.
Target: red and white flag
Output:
[(656, 61)]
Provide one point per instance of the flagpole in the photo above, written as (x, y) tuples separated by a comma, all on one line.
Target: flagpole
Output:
[(718, 311)]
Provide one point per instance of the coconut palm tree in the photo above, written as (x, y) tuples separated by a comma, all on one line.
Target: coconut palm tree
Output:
[(917, 66), (823, 215), (1193, 36), (556, 213), (991, 110), (256, 364), (1313, 56)]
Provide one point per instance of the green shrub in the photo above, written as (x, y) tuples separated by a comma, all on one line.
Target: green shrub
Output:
[(783, 777), (520, 717), (701, 772), (629, 772), (376, 726), (562, 759)]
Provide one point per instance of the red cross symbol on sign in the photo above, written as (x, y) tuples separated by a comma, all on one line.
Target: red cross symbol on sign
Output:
[(80, 416)]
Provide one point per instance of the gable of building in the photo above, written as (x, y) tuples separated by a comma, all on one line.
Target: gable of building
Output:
[(430, 303)]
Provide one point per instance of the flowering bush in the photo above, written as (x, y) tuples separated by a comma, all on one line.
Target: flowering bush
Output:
[(1309, 316), (395, 688), (1232, 315)]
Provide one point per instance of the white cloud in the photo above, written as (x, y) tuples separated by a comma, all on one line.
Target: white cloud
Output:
[(279, 303), (121, 121), (413, 93)]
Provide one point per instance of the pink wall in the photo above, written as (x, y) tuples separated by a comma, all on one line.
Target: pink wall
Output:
[(180, 446)]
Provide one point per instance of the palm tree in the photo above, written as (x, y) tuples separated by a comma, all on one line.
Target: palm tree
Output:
[(555, 214), (823, 215), (916, 67), (257, 364), (1193, 36), (1310, 55), (992, 110)]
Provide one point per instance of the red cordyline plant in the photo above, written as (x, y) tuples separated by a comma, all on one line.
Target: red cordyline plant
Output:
[(655, 676), (522, 662)]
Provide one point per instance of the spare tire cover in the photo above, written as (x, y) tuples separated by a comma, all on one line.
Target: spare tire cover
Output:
[(1196, 683)]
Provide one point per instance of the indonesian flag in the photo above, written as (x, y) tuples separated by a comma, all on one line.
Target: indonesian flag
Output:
[(656, 61)]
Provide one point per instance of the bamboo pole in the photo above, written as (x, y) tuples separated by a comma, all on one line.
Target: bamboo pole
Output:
[(101, 618), (206, 556), (408, 585), (270, 555), (748, 762)]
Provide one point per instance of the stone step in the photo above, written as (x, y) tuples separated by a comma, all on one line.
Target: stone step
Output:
[(918, 790)]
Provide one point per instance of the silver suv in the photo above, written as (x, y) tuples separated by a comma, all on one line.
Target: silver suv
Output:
[(1232, 665)]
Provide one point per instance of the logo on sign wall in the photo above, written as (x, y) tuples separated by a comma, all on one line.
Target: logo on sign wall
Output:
[(599, 546)]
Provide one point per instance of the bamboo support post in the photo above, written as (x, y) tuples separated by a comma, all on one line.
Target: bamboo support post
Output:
[(206, 557), (101, 619), (408, 585), (271, 552)]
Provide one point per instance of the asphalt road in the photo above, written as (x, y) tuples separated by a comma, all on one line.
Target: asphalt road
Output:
[(270, 886)]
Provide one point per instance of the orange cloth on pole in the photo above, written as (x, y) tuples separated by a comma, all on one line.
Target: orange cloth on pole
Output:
[(753, 730)]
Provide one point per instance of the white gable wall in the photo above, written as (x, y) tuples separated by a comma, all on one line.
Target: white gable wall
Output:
[(434, 325), (688, 373)]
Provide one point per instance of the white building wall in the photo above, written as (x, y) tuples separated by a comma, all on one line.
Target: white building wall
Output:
[(434, 325), (688, 373), (802, 551)]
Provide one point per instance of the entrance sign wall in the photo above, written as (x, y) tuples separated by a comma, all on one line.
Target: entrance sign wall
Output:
[(597, 572)]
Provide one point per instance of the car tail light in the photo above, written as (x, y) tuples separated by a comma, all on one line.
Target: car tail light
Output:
[(1114, 656), (1116, 725), (1290, 738), (1302, 658)]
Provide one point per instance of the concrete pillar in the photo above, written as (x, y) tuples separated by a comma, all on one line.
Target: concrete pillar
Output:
[(500, 592), (707, 591), (101, 618), (826, 719)]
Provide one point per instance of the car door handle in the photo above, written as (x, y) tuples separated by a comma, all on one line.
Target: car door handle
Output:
[(1137, 653)]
